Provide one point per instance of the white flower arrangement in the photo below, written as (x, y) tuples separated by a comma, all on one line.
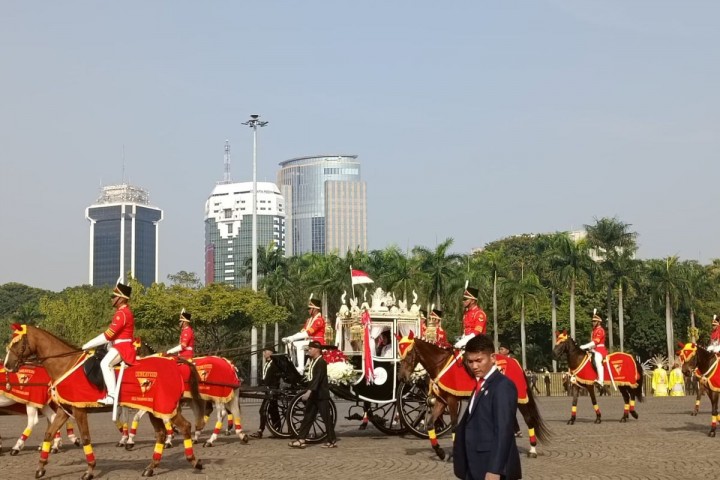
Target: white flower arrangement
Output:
[(418, 374), (341, 373)]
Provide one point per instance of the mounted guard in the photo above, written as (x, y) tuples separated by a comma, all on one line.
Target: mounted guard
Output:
[(121, 333), (474, 318), (715, 336), (187, 338), (596, 346)]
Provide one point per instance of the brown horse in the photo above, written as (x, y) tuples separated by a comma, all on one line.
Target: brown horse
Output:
[(29, 343), (626, 369), (698, 361), (434, 359)]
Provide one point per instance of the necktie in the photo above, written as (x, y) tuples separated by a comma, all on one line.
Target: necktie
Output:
[(479, 386)]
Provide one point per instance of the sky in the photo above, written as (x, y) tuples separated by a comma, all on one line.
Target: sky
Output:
[(474, 120)]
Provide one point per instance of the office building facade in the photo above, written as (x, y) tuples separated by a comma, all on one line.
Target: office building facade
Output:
[(228, 229), (326, 204), (123, 236)]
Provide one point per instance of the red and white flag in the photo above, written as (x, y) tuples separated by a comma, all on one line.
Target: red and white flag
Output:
[(358, 277)]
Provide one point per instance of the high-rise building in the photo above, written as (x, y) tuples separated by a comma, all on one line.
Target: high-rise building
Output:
[(228, 229), (123, 236), (326, 204)]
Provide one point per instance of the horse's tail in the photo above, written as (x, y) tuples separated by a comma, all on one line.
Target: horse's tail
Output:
[(533, 419), (197, 404), (639, 389)]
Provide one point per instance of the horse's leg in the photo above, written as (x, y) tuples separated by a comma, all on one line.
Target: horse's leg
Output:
[(32, 420), (236, 413), (573, 410), (698, 397), (593, 399), (71, 433), (435, 413), (219, 414), (184, 428), (714, 401), (532, 453), (366, 416), (122, 425), (168, 434), (625, 392), (230, 423), (160, 427), (133, 429)]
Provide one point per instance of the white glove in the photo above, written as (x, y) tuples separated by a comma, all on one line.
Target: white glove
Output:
[(285, 340), (95, 342), (588, 346), (298, 336), (174, 350), (713, 348), (463, 340)]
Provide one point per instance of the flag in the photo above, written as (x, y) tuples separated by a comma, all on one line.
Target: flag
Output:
[(358, 277)]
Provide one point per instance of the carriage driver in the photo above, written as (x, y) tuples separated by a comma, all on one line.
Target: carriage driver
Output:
[(314, 329), (474, 318), (715, 336), (187, 338), (120, 333), (597, 346)]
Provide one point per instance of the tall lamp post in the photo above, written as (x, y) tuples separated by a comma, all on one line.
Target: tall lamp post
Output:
[(254, 123)]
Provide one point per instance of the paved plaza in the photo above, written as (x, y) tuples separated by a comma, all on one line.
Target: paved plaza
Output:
[(665, 440)]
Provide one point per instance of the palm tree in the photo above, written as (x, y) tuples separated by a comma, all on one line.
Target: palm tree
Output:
[(528, 286), (494, 262), (28, 314), (571, 260), (622, 270), (399, 271), (546, 248), (440, 267), (696, 285), (666, 282), (610, 238)]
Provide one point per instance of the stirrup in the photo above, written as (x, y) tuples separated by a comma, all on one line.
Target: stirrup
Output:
[(108, 400)]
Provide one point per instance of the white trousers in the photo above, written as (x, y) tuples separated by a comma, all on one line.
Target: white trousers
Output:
[(300, 354), (597, 358), (106, 364)]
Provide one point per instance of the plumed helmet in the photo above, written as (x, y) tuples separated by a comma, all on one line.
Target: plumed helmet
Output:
[(471, 293), (185, 316), (122, 291), (315, 303)]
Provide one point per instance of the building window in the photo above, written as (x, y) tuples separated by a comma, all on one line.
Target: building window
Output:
[(228, 213), (230, 228)]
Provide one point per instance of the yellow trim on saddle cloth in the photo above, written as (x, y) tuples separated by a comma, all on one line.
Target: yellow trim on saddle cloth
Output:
[(578, 369), (443, 371), (709, 377), (59, 399)]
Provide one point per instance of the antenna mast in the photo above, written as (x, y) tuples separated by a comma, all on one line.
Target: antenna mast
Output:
[(226, 177)]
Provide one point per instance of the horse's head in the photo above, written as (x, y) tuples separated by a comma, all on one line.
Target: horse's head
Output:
[(562, 344), (20, 349), (408, 356)]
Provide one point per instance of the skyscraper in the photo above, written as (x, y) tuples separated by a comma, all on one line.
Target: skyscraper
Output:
[(123, 236), (326, 203), (228, 229)]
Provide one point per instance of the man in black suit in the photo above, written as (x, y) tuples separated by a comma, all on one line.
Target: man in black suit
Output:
[(270, 378), (317, 398), (484, 447)]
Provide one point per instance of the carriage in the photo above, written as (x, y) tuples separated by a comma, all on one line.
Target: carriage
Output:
[(393, 407)]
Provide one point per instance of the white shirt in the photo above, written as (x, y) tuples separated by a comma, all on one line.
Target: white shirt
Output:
[(472, 399)]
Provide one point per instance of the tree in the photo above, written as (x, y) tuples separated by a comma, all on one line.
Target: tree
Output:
[(440, 267), (666, 283), (572, 263), (518, 290), (185, 279), (610, 238)]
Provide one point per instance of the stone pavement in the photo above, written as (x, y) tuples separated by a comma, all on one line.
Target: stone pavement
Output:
[(665, 441)]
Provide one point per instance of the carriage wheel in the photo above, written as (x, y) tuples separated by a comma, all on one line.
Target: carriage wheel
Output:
[(386, 418), (280, 428), (317, 432), (413, 408)]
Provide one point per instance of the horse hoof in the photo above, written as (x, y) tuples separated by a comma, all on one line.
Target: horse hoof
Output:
[(120, 444), (76, 442), (14, 452), (440, 453), (39, 473), (168, 445), (54, 450), (711, 434), (244, 439), (195, 441), (597, 420), (571, 421), (207, 444), (198, 465), (148, 472), (362, 426), (634, 415), (129, 446), (532, 455), (623, 420), (87, 476)]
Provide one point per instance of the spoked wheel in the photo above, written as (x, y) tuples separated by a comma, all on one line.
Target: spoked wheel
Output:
[(277, 423), (386, 418), (415, 412), (317, 432)]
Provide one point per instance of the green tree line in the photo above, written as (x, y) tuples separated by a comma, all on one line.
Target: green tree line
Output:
[(530, 287)]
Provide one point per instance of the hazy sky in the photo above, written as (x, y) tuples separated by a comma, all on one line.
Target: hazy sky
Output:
[(472, 120)]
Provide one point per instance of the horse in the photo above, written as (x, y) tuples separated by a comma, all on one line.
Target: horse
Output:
[(698, 361), (152, 384), (626, 370), (27, 392), (436, 361)]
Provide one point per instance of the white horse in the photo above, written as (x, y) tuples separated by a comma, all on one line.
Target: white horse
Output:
[(33, 415)]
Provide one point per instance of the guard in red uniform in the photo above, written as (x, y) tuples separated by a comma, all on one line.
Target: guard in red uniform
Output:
[(423, 323), (715, 336), (597, 346), (187, 338), (120, 333), (474, 318), (441, 340), (314, 330)]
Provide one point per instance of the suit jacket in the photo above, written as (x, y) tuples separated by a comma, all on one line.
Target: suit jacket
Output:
[(319, 380), (485, 437)]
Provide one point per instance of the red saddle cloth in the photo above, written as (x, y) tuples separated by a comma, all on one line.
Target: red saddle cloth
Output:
[(457, 381), (624, 370), (218, 378), (153, 384), (29, 385)]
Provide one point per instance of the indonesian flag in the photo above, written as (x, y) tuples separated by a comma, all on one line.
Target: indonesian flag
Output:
[(358, 277)]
